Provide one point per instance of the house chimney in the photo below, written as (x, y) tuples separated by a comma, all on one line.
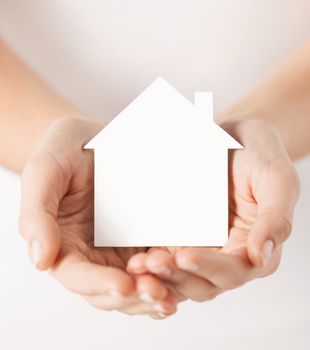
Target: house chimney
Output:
[(204, 104)]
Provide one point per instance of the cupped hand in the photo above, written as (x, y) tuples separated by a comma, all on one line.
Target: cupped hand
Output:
[(56, 220), (263, 190)]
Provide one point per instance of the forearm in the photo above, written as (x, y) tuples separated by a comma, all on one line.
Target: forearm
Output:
[(284, 101), (27, 108)]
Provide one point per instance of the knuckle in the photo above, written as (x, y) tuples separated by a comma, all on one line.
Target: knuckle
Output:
[(207, 296), (32, 165), (26, 228), (286, 229), (22, 227), (170, 311), (102, 307), (296, 181), (72, 289), (274, 267), (278, 227), (237, 280), (95, 275), (193, 259), (99, 305), (213, 295), (130, 313), (274, 264)]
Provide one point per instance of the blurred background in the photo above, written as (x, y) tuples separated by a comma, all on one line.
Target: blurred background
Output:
[(100, 55)]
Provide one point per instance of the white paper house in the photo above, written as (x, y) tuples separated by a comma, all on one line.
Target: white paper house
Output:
[(161, 173)]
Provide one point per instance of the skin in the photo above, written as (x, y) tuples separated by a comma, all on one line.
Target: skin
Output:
[(56, 218)]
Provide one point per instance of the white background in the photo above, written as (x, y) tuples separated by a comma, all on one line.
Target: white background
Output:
[(100, 55)]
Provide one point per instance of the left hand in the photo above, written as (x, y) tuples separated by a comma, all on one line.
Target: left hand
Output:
[(56, 221), (263, 191)]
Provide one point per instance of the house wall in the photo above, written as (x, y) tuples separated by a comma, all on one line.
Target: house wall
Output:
[(192, 203)]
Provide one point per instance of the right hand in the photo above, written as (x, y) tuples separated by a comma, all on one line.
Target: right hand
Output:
[(263, 191), (56, 220)]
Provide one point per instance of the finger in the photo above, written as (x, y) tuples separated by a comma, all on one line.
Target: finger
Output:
[(136, 264), (276, 197), (223, 270), (162, 263), (150, 289), (80, 276), (273, 264), (149, 292), (111, 302), (39, 207), (143, 309), (158, 316), (134, 304), (138, 309), (164, 308)]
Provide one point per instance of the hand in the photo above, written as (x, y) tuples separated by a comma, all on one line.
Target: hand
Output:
[(263, 191), (56, 220)]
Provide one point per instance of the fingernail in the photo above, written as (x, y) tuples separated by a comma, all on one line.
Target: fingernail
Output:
[(188, 265), (136, 268), (267, 251), (159, 308), (114, 293), (191, 266), (161, 315), (146, 298), (36, 251), (165, 271)]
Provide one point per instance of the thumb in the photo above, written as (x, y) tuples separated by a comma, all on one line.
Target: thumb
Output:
[(269, 232), (276, 199), (39, 209)]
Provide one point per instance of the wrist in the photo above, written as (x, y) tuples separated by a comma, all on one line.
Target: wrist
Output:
[(74, 130), (233, 119), (78, 127)]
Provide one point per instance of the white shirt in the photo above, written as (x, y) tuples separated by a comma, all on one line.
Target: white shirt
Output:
[(101, 54)]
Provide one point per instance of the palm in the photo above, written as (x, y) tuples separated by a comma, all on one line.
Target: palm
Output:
[(242, 203), (76, 218)]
